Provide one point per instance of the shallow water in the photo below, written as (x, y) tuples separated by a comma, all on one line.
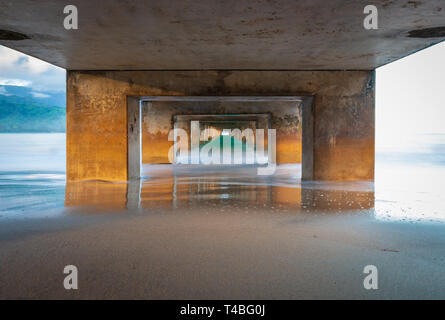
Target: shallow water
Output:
[(408, 185), (32, 174)]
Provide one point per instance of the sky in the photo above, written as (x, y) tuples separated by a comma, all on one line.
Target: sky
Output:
[(410, 97), (409, 92), (18, 69)]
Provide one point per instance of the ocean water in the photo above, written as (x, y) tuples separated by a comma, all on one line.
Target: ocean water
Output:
[(410, 179), (32, 174), (409, 184)]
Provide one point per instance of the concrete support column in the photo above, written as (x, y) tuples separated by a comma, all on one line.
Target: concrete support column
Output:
[(307, 164), (343, 116), (134, 138)]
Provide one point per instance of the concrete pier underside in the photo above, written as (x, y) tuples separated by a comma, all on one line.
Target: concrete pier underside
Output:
[(97, 114), (251, 48), (222, 35)]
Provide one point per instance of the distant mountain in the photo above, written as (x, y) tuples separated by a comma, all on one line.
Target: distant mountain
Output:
[(25, 110)]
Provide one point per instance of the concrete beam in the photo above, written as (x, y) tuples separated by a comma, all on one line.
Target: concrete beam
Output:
[(221, 35)]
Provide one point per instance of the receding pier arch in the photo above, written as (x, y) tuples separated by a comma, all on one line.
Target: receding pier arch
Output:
[(343, 115), (135, 124)]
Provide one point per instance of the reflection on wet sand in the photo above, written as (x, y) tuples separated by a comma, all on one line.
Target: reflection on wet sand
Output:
[(220, 233), (96, 194), (236, 188)]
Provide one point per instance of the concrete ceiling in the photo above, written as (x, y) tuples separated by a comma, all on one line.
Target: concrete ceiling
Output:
[(221, 34)]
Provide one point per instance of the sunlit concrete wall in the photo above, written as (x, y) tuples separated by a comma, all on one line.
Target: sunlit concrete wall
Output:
[(158, 121), (97, 118)]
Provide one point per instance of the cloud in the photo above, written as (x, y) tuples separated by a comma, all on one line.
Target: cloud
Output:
[(3, 92), (8, 57), (22, 70), (36, 66), (15, 82), (39, 95)]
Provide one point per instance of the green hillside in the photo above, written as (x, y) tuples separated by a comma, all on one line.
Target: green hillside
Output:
[(25, 113)]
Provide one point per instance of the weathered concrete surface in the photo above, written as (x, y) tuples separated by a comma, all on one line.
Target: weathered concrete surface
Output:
[(134, 138), (158, 121), (97, 118), (214, 34)]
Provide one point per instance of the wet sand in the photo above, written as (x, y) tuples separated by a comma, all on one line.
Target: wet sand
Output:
[(220, 233)]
